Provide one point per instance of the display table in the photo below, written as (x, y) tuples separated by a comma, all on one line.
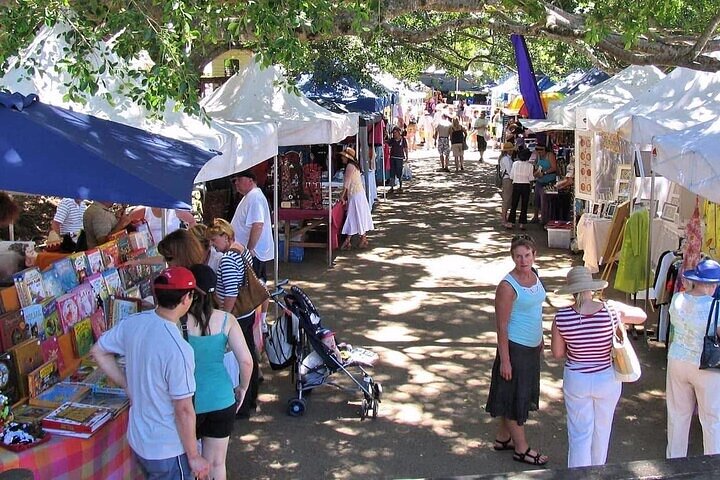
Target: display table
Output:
[(308, 220), (556, 206), (105, 455)]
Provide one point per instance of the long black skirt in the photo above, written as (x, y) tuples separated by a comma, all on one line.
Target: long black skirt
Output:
[(516, 398)]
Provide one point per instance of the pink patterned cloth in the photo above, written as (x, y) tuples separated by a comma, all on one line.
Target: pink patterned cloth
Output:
[(692, 247)]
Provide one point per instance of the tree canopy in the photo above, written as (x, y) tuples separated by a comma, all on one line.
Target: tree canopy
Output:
[(402, 36)]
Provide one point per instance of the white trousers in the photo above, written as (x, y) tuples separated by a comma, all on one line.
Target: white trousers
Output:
[(686, 384), (590, 400)]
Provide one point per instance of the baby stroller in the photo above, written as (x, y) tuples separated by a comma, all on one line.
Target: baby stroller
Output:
[(298, 340)]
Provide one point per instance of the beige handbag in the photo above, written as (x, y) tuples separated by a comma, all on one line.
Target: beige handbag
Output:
[(625, 361)]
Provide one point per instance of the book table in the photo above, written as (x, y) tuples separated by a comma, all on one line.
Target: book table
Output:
[(105, 455)]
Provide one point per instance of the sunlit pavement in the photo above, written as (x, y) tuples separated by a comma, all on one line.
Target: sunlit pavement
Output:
[(422, 297)]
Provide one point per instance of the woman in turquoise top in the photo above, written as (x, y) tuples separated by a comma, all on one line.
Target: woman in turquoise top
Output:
[(210, 332), (515, 382), (545, 174)]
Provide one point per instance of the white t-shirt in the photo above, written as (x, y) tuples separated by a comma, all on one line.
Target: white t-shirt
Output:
[(254, 208), (70, 216), (522, 172), (506, 163), (172, 223), (160, 368)]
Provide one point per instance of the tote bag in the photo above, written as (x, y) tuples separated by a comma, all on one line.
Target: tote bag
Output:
[(251, 294), (624, 359), (710, 357)]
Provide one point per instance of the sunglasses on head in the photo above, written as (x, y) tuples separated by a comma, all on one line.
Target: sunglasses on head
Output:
[(522, 236)]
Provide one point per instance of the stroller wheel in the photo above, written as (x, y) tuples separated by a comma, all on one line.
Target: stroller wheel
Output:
[(296, 407), (364, 409), (374, 408)]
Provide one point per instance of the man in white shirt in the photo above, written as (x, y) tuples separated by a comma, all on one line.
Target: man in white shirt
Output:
[(253, 226)]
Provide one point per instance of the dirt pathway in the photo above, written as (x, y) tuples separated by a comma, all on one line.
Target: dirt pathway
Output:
[(422, 298)]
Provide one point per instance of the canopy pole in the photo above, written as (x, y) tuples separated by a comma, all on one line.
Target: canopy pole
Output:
[(163, 224), (276, 220), (11, 232), (330, 205), (649, 245)]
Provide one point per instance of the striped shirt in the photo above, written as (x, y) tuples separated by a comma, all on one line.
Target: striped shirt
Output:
[(70, 216), (588, 339), (522, 172), (231, 273)]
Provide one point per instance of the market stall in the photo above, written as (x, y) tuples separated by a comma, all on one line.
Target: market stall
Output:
[(257, 94)]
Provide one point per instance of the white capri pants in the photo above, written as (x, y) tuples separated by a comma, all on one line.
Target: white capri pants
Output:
[(686, 383), (590, 400)]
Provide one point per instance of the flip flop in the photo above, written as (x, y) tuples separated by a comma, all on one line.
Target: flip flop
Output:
[(529, 459), (500, 445)]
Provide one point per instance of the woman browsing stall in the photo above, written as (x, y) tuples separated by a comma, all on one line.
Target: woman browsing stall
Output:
[(686, 383), (515, 382), (210, 332), (358, 220), (582, 333)]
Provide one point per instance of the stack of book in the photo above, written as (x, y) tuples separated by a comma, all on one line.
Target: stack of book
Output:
[(76, 419)]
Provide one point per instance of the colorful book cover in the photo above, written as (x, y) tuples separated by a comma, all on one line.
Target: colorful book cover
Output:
[(50, 349), (124, 247), (95, 261), (80, 264), (133, 292), (29, 286), (86, 299), (13, 329), (33, 316), (68, 311), (68, 354), (53, 287), (116, 403), (86, 367), (83, 337), (112, 281), (76, 417), (146, 291), (98, 323), (42, 378), (139, 240), (152, 251), (99, 287), (110, 254), (66, 273), (58, 394), (26, 357), (51, 319), (30, 413), (10, 300), (122, 308)]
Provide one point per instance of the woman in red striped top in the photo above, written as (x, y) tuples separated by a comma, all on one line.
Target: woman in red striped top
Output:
[(582, 333)]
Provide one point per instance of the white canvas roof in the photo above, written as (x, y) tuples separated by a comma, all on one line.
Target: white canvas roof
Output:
[(245, 146), (254, 94), (535, 126), (684, 99), (608, 95), (691, 158)]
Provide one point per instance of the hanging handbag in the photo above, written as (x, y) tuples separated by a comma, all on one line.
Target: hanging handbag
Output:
[(710, 357), (624, 359), (251, 294)]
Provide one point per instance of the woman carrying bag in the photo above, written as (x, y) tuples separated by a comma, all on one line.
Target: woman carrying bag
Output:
[(583, 334), (686, 382)]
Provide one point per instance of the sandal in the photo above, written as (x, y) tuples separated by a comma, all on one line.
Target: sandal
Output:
[(500, 445), (529, 459), (345, 246)]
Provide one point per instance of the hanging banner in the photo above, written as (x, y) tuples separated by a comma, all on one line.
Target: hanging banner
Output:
[(526, 78), (584, 188)]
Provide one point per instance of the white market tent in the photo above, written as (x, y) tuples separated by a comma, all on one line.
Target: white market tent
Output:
[(684, 99), (244, 146), (257, 95), (606, 96), (691, 159)]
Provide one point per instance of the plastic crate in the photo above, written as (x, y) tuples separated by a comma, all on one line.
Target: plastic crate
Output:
[(295, 254), (559, 237)]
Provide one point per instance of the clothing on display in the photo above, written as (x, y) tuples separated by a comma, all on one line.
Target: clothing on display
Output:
[(632, 267)]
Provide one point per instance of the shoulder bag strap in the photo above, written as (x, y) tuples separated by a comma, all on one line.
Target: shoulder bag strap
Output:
[(713, 316), (184, 327), (248, 268), (615, 322)]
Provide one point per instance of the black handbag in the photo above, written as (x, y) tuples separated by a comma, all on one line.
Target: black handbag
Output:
[(710, 357)]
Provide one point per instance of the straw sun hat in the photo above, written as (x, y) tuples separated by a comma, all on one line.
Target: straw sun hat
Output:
[(579, 279), (507, 147), (349, 153)]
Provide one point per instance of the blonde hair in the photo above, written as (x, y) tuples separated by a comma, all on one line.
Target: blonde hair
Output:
[(199, 231), (456, 124), (220, 227)]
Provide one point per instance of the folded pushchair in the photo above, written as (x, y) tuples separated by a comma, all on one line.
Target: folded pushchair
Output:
[(299, 340)]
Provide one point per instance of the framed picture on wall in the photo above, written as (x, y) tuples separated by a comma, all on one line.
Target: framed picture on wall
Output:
[(624, 182), (597, 207), (669, 212), (610, 210)]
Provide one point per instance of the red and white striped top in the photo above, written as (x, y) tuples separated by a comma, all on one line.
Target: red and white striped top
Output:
[(588, 339)]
